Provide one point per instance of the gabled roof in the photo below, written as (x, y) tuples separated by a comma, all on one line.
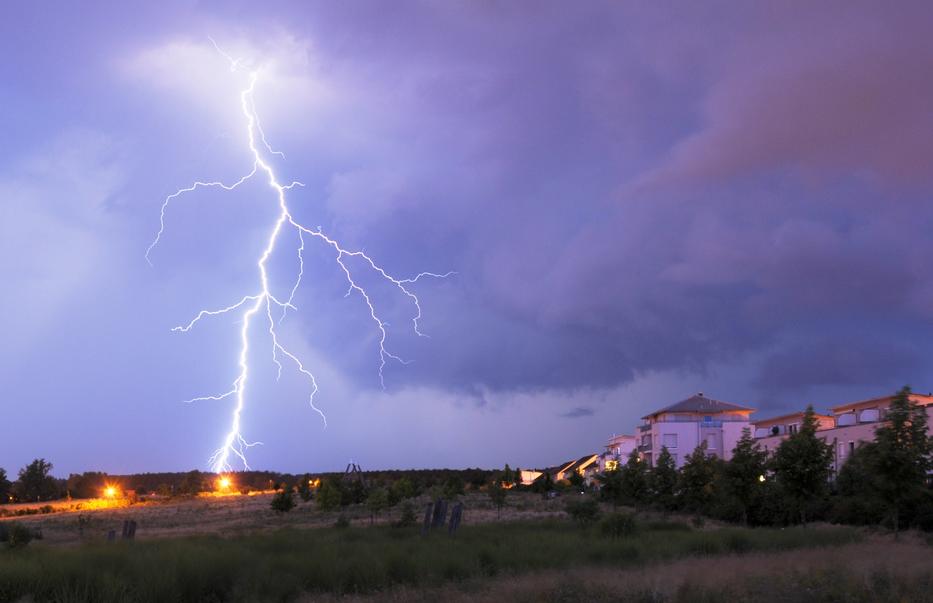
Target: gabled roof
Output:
[(700, 403)]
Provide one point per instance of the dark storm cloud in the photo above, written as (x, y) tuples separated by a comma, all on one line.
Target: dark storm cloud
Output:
[(602, 229), (576, 413)]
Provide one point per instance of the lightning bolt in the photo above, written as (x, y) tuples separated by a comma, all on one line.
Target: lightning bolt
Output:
[(263, 304)]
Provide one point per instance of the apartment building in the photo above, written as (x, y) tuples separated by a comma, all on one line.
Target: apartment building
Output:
[(848, 426), (683, 426), (617, 451)]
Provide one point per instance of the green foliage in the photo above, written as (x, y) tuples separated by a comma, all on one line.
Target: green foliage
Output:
[(5, 487), (698, 480), (408, 517), (900, 457), (15, 535), (35, 482), (744, 473), (610, 486), (802, 465), (402, 489), (577, 483), (377, 500), (294, 564), (453, 488), (618, 525), (329, 495), (663, 481), (543, 484), (584, 510), (283, 501), (342, 522), (86, 485), (497, 495), (193, 483), (304, 487), (634, 476)]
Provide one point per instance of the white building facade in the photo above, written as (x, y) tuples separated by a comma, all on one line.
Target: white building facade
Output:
[(683, 426)]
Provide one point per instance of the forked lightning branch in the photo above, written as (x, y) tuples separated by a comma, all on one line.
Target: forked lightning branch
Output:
[(263, 305)]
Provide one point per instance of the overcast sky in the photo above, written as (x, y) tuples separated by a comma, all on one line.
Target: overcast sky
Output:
[(640, 201)]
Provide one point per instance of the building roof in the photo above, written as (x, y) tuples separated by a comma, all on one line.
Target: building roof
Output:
[(921, 399), (700, 403), (792, 415)]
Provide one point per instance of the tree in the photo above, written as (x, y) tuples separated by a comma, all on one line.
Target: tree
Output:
[(283, 501), (902, 454), (453, 488), (543, 484), (517, 477), (634, 476), (192, 483), (663, 481), (698, 480), (35, 483), (377, 500), (802, 465), (402, 489), (304, 487), (86, 485), (329, 495), (577, 482), (5, 487), (507, 476), (497, 495), (745, 472), (610, 486)]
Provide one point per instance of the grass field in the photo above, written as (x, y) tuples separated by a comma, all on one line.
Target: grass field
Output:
[(293, 563)]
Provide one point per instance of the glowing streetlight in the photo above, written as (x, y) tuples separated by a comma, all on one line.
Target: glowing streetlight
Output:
[(761, 478)]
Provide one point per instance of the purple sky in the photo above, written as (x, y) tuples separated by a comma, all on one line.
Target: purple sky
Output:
[(641, 201)]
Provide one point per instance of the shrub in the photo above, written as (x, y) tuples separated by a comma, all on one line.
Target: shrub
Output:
[(618, 525), (283, 501), (18, 536), (408, 517), (583, 510), (342, 522)]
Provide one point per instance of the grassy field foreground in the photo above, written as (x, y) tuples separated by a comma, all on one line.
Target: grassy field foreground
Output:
[(290, 563)]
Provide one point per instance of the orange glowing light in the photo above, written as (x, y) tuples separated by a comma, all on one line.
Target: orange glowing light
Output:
[(110, 492), (224, 483)]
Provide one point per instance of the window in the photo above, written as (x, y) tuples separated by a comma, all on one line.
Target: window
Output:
[(792, 428), (674, 456), (670, 440), (707, 418), (612, 465), (711, 442), (851, 447)]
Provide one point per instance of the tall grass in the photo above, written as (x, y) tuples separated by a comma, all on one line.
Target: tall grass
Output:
[(280, 566)]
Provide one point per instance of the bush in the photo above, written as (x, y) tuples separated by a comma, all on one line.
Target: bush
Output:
[(283, 501), (342, 522), (583, 510), (18, 536), (618, 525), (408, 517)]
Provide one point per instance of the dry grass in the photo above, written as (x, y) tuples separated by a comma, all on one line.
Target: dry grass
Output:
[(236, 515), (877, 569)]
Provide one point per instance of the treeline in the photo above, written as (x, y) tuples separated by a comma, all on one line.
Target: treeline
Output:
[(886, 481), (36, 484)]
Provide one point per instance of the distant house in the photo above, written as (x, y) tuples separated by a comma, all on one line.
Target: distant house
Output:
[(529, 476), (850, 425), (618, 449), (683, 426)]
